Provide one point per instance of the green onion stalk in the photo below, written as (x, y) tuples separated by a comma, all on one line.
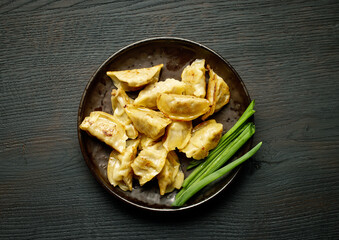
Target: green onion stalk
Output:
[(198, 185)]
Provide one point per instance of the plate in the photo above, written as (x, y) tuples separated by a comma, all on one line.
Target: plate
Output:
[(175, 54)]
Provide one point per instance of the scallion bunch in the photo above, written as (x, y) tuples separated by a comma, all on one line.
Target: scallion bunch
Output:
[(211, 168)]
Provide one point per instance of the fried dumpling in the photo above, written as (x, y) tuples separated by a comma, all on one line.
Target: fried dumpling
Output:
[(119, 170), (148, 96), (119, 100), (194, 77), (177, 135), (218, 93), (171, 176), (145, 141), (149, 162), (147, 121), (106, 128), (134, 79), (205, 137), (182, 107)]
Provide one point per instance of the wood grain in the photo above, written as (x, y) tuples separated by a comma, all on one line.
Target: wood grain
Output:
[(287, 55)]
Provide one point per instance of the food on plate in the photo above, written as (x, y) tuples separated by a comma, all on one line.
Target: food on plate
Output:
[(177, 135), (211, 169), (171, 176), (119, 169), (134, 79), (147, 121), (144, 139), (205, 137), (194, 77), (149, 162), (148, 96), (225, 143), (106, 128), (218, 93), (182, 107), (119, 100), (187, 193)]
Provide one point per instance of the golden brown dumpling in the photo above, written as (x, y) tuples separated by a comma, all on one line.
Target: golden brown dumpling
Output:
[(149, 162), (119, 170), (182, 107), (218, 93), (119, 100), (171, 176), (145, 141), (147, 121), (205, 137), (134, 79), (194, 77), (106, 128), (148, 96), (177, 135)]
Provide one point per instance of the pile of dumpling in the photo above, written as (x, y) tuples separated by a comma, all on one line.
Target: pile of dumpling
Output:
[(144, 133)]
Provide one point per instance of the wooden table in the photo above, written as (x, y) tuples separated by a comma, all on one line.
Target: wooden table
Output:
[(286, 52)]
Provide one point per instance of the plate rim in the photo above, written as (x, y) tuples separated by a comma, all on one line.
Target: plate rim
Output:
[(82, 100)]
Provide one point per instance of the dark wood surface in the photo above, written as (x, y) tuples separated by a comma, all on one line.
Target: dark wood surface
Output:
[(287, 54)]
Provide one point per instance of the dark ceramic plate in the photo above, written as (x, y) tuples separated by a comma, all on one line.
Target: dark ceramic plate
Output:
[(175, 54)]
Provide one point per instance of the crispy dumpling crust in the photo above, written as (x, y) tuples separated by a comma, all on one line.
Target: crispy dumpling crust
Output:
[(149, 162), (218, 93), (145, 141), (148, 96), (194, 77), (119, 169), (205, 137), (106, 128), (171, 176), (119, 100), (147, 121), (177, 135), (182, 107), (135, 79)]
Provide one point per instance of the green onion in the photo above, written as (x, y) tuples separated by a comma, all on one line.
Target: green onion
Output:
[(219, 160), (230, 150), (227, 146), (248, 113), (193, 164), (219, 148), (229, 136), (196, 186)]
